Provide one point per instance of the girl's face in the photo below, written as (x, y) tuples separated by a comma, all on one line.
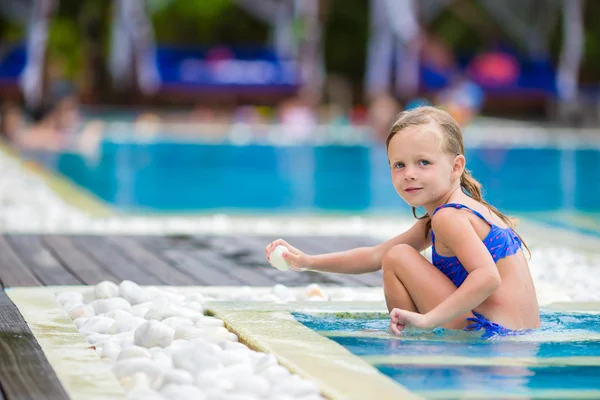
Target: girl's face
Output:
[(422, 173)]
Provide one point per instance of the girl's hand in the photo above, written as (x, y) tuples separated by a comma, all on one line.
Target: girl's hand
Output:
[(297, 259), (402, 319)]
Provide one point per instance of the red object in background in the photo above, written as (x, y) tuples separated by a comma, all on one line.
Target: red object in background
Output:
[(359, 115), (495, 69)]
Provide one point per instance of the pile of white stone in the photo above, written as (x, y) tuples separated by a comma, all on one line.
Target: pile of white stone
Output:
[(161, 345)]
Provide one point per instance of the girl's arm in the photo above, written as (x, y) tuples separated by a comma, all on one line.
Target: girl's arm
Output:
[(455, 230), (355, 261)]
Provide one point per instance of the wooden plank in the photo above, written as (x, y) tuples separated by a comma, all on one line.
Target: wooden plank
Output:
[(25, 373), (134, 250), (247, 275), (77, 261), (122, 268), (13, 272), (207, 275), (31, 250), (216, 259)]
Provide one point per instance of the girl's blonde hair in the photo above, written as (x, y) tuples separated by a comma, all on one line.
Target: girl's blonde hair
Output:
[(452, 144)]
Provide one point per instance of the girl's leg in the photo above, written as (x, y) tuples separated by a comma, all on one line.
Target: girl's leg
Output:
[(412, 283)]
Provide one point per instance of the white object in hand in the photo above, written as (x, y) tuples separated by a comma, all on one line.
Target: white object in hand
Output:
[(277, 259)]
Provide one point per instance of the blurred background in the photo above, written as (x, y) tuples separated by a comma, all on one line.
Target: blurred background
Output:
[(283, 106)]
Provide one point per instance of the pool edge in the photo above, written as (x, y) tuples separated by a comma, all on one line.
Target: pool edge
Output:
[(68, 191), (82, 374), (339, 373)]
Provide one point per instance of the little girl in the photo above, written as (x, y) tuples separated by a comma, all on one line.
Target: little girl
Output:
[(479, 272)]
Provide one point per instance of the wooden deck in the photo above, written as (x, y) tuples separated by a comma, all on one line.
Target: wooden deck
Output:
[(42, 260)]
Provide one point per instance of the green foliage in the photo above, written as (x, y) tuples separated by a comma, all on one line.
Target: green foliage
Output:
[(345, 36), (65, 44)]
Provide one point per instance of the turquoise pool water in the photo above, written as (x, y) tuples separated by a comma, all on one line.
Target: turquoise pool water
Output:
[(562, 357), (195, 177)]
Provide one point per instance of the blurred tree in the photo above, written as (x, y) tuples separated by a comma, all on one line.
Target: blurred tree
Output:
[(204, 22)]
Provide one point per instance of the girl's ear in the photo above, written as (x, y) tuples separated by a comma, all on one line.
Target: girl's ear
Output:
[(459, 166)]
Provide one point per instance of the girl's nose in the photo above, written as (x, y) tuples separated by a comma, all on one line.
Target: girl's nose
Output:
[(409, 174)]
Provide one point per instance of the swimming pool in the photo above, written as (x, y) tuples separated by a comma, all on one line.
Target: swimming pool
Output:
[(252, 178), (561, 360)]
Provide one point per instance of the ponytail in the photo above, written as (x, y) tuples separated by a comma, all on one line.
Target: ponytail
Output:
[(472, 188)]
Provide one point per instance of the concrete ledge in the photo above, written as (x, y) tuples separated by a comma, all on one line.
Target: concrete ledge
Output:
[(339, 373), (77, 366)]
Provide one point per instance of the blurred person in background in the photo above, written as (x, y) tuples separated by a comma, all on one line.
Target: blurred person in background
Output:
[(297, 119), (381, 114)]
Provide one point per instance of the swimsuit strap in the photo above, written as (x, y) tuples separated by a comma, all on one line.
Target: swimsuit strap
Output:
[(460, 206)]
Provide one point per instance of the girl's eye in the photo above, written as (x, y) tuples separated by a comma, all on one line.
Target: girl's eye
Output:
[(398, 165), (424, 162)]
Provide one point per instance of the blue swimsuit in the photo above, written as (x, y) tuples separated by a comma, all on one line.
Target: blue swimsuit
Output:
[(500, 242)]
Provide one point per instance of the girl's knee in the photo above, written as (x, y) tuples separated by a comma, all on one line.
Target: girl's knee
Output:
[(397, 256)]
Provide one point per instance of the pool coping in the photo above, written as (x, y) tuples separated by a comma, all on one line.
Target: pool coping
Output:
[(82, 373), (339, 373), (70, 192)]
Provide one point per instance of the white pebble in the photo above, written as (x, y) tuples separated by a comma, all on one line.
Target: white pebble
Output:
[(80, 321), (161, 358), (194, 297), (103, 306), (182, 392), (196, 356), (150, 368), (119, 315), (233, 357), (106, 290), (277, 260), (71, 305), (195, 306), (97, 325), (128, 325), (232, 345), (134, 352), (188, 332), (262, 361), (153, 333), (241, 396), (71, 297), (211, 380), (144, 393), (159, 312), (95, 338), (128, 342), (209, 321), (178, 376), (270, 298), (111, 350), (81, 311), (138, 311), (217, 334), (275, 373), (296, 386), (159, 294), (133, 293), (89, 296), (254, 385), (176, 322), (283, 292)]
